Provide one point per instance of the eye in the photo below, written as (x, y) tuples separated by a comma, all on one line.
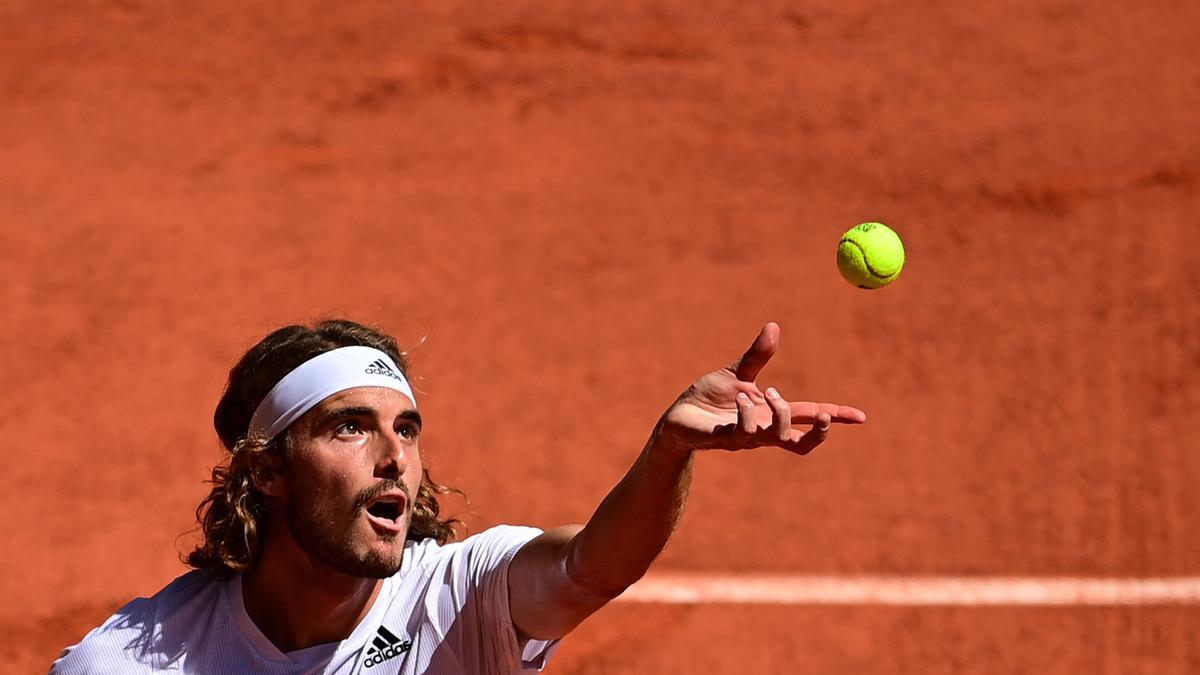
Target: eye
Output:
[(408, 431), (347, 429)]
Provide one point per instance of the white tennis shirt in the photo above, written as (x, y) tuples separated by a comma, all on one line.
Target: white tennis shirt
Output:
[(445, 612)]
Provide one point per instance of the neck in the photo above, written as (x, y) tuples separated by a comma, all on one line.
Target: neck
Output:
[(298, 602)]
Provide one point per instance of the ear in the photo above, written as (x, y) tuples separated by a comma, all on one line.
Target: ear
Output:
[(265, 473)]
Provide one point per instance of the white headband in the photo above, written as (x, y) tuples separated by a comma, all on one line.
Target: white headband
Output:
[(321, 377)]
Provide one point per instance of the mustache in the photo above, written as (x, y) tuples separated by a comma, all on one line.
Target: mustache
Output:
[(372, 493)]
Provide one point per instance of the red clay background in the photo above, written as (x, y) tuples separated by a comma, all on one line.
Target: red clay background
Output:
[(581, 207)]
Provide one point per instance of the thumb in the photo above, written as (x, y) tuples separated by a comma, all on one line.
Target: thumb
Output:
[(747, 368)]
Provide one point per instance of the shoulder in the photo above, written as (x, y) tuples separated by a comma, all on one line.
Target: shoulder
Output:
[(136, 639), (467, 563), (501, 537), (489, 548)]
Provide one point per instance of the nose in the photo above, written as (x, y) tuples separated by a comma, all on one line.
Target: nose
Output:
[(393, 457)]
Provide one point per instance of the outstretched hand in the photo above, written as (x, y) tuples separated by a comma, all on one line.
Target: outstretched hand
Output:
[(725, 409)]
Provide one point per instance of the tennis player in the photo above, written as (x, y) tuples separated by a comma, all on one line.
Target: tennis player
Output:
[(324, 551)]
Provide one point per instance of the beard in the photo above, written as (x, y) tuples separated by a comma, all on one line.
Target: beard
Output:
[(327, 538)]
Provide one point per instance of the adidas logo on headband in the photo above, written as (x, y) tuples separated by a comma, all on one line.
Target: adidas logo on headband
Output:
[(381, 367)]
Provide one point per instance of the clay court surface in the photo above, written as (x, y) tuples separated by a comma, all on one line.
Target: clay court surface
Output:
[(574, 211)]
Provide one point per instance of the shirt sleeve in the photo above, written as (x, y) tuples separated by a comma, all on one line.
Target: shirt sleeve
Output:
[(489, 555), (116, 646)]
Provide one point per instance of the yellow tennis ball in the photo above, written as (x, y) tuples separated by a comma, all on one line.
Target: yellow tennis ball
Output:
[(870, 255)]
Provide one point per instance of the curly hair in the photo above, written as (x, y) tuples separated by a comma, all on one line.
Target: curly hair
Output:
[(233, 517)]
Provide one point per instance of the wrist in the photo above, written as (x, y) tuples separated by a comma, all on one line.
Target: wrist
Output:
[(666, 445)]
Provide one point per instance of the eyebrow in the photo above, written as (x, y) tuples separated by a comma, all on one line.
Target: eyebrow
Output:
[(363, 411), (412, 416)]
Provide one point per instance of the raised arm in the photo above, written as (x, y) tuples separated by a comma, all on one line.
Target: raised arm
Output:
[(561, 577)]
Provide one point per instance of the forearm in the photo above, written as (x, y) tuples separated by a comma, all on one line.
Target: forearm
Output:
[(561, 577), (633, 523)]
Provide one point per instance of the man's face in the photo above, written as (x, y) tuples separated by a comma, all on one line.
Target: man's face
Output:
[(351, 480)]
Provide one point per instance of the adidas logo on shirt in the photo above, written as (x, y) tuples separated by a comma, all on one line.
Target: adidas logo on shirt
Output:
[(381, 367), (385, 646)]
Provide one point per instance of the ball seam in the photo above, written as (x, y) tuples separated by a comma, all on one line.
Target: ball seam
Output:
[(867, 262)]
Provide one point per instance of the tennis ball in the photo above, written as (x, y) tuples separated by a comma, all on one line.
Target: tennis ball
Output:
[(870, 255)]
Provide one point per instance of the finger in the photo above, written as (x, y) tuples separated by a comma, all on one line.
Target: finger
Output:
[(806, 413), (746, 417), (781, 418), (746, 369), (810, 439)]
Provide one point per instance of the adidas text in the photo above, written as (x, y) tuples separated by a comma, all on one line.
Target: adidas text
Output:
[(388, 652), (379, 367)]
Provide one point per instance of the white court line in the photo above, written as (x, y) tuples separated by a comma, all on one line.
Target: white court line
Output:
[(911, 591)]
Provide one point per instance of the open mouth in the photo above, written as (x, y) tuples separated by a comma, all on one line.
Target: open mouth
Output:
[(386, 509)]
